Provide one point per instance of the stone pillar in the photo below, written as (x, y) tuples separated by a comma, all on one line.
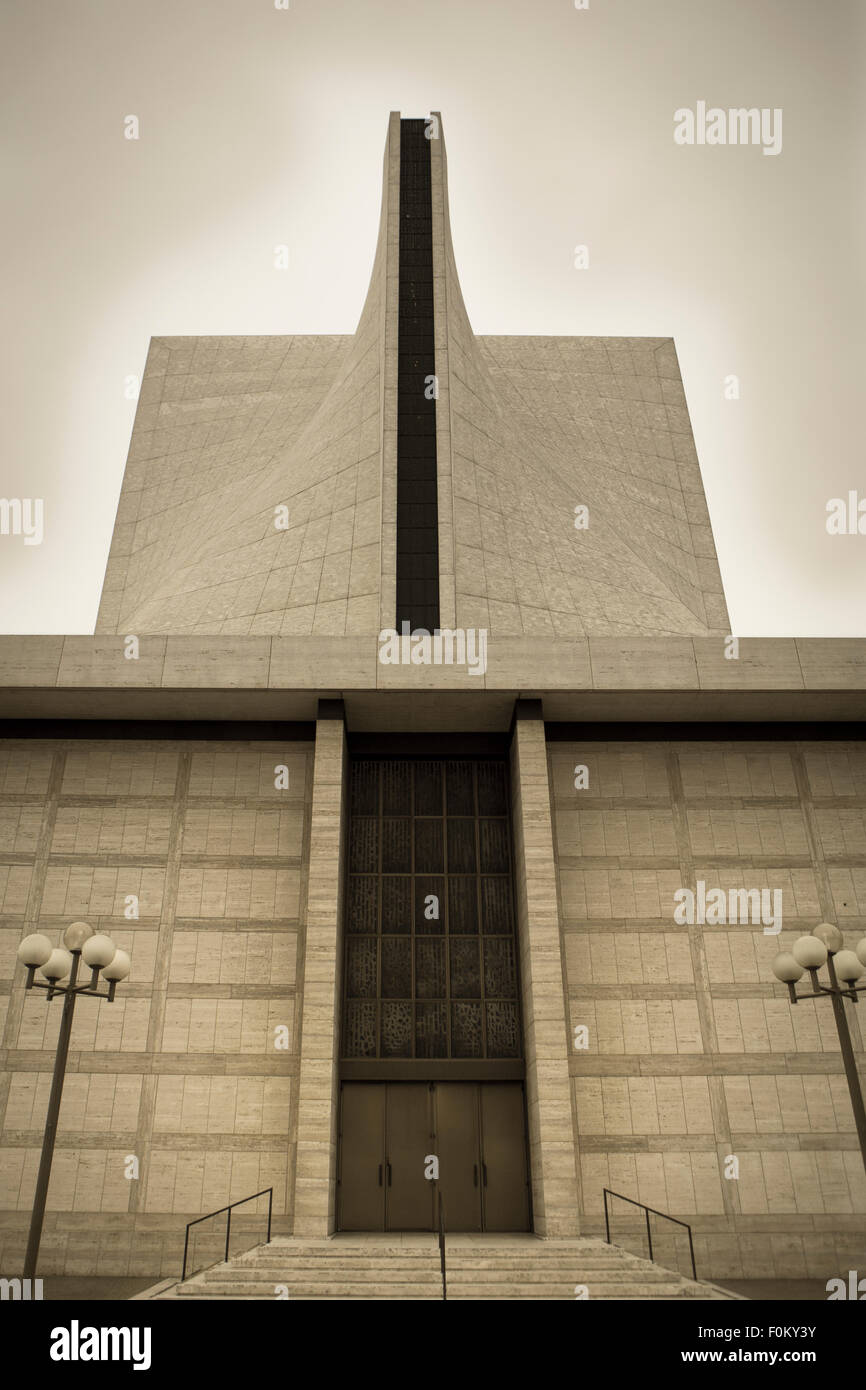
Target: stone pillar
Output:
[(318, 1081), (548, 1089)]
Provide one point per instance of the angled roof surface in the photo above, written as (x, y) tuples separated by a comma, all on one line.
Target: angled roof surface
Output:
[(228, 430)]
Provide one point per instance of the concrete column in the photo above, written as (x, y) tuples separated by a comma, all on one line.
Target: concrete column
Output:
[(318, 1082), (548, 1093)]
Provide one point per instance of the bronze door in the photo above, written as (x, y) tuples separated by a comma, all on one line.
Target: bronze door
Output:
[(385, 1137), (408, 1142), (362, 1178), (389, 1131), (458, 1150), (504, 1187)]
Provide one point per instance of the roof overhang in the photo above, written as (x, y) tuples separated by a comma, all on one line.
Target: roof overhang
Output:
[(594, 680)]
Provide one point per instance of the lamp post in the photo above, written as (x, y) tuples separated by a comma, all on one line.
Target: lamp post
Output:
[(825, 946), (36, 952)]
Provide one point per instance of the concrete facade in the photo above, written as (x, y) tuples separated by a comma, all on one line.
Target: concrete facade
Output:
[(551, 1145), (222, 818), (183, 1071), (694, 1053), (318, 1083)]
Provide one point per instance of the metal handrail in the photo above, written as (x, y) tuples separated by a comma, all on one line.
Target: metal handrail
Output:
[(266, 1191), (649, 1211), (442, 1245)]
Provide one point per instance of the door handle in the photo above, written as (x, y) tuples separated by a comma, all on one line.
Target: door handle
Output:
[(484, 1173), (380, 1175), (389, 1173), (475, 1175)]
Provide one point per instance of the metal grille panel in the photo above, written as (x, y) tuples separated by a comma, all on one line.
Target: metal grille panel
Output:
[(430, 955)]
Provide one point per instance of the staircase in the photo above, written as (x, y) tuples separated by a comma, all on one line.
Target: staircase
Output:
[(407, 1267)]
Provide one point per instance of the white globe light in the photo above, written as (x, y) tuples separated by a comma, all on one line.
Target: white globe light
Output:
[(34, 949), (76, 934), (860, 948), (118, 968), (847, 966), (810, 952), (98, 951), (786, 968), (830, 935), (58, 964)]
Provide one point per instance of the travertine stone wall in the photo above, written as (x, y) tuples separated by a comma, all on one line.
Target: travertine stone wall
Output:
[(182, 1071), (551, 1144), (694, 1051), (320, 1027)]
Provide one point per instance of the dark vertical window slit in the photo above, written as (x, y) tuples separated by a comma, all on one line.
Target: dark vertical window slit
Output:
[(417, 507)]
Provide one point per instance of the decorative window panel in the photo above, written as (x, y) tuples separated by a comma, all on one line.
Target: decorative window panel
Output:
[(430, 953)]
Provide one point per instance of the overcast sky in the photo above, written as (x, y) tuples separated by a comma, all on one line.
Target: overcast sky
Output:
[(261, 126)]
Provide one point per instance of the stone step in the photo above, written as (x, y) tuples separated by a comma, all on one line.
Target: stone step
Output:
[(324, 1276), (333, 1289), (429, 1243), (308, 1271), (281, 1255), (466, 1277), (574, 1270), (577, 1274), (636, 1288), (330, 1250), (315, 1298), (477, 1270), (456, 1257), (359, 1257), (421, 1240), (677, 1295), (474, 1293)]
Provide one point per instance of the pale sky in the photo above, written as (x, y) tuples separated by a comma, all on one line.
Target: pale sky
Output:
[(261, 126)]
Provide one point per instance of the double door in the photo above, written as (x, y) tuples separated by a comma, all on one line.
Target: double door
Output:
[(395, 1138)]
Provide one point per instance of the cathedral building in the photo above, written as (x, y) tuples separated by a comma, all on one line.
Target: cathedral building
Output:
[(450, 831)]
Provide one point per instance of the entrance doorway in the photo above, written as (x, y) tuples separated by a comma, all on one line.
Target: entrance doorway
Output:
[(390, 1131)]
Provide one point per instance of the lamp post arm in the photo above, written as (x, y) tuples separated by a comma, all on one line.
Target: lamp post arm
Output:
[(848, 991), (79, 990)]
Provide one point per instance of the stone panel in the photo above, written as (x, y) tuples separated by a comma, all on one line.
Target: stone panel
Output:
[(694, 1054), (186, 1070)]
